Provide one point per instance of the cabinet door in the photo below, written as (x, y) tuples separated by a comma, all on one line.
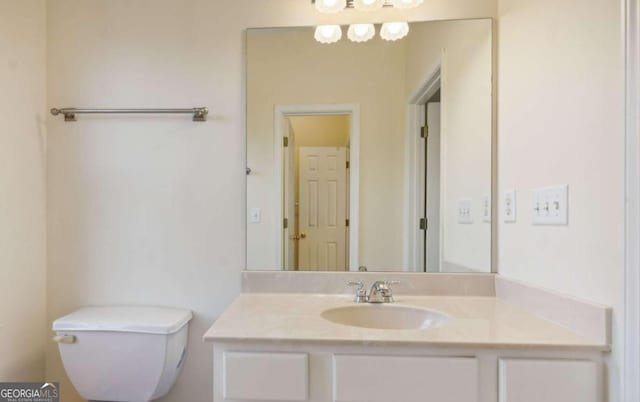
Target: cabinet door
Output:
[(405, 379), (525, 380), (265, 376)]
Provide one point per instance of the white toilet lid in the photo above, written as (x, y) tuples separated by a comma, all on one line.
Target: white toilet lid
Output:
[(146, 320)]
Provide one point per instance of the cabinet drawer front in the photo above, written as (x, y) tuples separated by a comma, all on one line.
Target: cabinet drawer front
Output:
[(266, 376), (408, 379), (528, 380)]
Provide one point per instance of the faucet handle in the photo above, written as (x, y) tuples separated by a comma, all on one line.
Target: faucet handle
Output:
[(388, 284), (360, 291), (387, 294)]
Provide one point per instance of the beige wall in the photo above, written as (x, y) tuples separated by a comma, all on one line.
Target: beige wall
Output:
[(464, 49), (152, 210), (288, 67), (321, 131), (22, 190), (561, 116)]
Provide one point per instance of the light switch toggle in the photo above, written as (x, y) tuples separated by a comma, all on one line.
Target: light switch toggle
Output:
[(551, 206), (465, 214), (255, 215)]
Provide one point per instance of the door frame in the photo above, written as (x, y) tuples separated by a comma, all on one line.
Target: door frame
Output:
[(631, 350), (414, 160), (282, 112)]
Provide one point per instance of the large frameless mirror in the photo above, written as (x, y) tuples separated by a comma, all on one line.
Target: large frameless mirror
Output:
[(370, 155)]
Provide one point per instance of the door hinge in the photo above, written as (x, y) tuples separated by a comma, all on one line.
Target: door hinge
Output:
[(347, 164), (285, 223), (424, 223), (424, 131), (285, 141), (346, 222)]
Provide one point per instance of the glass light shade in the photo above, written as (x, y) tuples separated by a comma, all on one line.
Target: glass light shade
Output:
[(328, 33), (394, 30), (406, 3), (361, 32), (330, 6), (368, 5)]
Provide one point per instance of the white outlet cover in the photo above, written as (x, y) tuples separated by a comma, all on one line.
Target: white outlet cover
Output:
[(486, 208), (465, 214), (509, 206), (551, 205)]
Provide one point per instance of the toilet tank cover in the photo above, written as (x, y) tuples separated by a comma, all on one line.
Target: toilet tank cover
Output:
[(145, 320)]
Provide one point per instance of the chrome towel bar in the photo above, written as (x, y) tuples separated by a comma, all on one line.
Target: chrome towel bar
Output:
[(199, 113)]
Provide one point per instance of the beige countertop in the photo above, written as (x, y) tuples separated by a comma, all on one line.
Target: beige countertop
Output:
[(485, 322)]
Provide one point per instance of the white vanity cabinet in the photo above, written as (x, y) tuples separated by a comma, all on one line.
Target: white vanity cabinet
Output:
[(390, 378), (529, 380), (268, 371)]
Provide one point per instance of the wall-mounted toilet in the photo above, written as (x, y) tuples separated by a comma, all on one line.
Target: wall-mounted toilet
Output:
[(123, 354)]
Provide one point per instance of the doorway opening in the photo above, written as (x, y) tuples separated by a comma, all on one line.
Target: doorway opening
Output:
[(426, 182), (319, 187), (431, 190)]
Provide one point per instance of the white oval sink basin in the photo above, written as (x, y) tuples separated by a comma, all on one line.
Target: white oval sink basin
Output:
[(383, 316)]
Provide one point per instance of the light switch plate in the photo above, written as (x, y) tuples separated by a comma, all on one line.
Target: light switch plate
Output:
[(551, 205), (509, 209), (465, 215), (255, 215), (486, 208)]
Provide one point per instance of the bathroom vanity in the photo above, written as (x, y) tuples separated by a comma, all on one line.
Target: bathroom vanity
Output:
[(384, 163), (445, 348)]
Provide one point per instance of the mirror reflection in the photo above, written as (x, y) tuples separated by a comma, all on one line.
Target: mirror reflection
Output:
[(370, 156)]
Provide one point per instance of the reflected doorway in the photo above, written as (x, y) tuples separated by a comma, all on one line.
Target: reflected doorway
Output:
[(316, 192), (432, 184)]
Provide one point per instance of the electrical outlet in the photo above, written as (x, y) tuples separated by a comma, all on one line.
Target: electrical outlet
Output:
[(486, 208), (550, 205), (509, 210), (465, 215)]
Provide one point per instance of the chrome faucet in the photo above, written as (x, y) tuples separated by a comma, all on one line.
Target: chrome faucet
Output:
[(380, 292)]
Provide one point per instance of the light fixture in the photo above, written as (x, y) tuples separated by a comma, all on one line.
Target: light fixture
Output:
[(328, 33), (361, 32), (368, 5), (330, 6), (394, 30), (406, 3), (390, 31)]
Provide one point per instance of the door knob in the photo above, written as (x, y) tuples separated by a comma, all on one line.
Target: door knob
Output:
[(303, 235)]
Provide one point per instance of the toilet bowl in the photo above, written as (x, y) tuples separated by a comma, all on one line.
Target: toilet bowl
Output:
[(123, 354)]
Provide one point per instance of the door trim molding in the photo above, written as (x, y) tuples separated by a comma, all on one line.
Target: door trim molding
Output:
[(631, 352), (414, 160), (352, 109)]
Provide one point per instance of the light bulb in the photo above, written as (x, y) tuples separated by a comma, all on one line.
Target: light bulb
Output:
[(368, 5), (328, 33), (406, 3), (330, 6), (361, 32), (394, 30)]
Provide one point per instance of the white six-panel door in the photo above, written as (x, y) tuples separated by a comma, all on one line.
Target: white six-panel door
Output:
[(323, 205)]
